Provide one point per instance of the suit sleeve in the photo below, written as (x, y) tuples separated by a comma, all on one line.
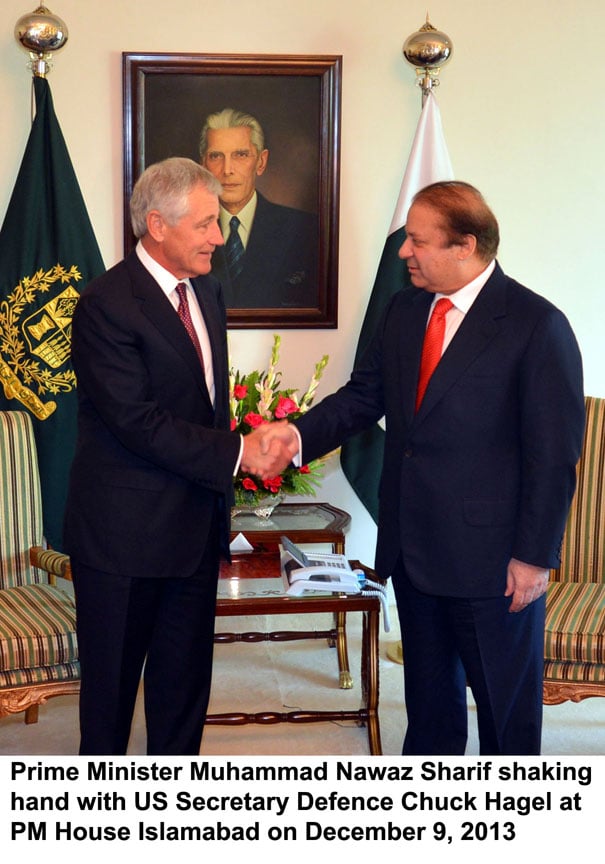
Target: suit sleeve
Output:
[(133, 392), (354, 407), (552, 418)]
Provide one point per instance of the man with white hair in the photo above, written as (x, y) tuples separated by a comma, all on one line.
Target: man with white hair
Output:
[(270, 253), (151, 484)]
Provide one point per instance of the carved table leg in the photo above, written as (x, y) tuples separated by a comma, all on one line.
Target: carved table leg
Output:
[(369, 678), (345, 679)]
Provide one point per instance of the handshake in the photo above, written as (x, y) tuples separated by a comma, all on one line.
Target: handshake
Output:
[(269, 449)]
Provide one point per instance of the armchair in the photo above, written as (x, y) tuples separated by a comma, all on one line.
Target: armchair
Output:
[(574, 650), (38, 645)]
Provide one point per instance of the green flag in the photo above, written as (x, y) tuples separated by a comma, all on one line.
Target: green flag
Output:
[(48, 252), (361, 457)]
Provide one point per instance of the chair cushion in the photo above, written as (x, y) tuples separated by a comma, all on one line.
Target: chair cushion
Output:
[(40, 675), (575, 673), (20, 500), (575, 623), (37, 628)]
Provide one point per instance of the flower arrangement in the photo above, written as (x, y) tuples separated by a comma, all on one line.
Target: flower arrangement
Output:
[(256, 398)]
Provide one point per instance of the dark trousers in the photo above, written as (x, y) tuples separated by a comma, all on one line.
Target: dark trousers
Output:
[(450, 642), (167, 627)]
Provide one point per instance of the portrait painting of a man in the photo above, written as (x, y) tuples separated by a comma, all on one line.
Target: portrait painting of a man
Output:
[(272, 142), (270, 252)]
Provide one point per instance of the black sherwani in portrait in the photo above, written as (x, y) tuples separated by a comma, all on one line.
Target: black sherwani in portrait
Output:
[(151, 481), (483, 473)]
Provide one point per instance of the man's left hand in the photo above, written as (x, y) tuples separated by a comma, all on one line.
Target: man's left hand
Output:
[(525, 582)]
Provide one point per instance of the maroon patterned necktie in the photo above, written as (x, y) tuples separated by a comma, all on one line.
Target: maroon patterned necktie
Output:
[(432, 346), (185, 316)]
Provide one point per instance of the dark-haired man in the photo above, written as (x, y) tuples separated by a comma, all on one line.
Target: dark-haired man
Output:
[(478, 473)]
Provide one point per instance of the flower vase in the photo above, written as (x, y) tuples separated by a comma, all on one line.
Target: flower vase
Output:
[(262, 508)]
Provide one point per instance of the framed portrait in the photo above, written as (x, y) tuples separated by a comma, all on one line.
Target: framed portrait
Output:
[(287, 274)]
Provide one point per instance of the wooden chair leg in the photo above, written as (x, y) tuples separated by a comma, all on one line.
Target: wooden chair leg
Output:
[(31, 714)]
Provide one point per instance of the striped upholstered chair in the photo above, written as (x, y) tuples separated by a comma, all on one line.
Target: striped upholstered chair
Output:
[(38, 647), (575, 603)]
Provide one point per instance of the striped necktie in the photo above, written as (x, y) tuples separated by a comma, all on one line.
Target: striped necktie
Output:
[(185, 316), (234, 249)]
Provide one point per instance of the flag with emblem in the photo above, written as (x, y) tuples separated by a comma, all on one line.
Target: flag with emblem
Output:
[(429, 161), (48, 252)]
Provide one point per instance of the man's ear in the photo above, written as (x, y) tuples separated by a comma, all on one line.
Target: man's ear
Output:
[(263, 158), (467, 246), (155, 225)]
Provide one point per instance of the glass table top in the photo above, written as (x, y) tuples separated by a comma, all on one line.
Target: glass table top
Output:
[(311, 517), (239, 589)]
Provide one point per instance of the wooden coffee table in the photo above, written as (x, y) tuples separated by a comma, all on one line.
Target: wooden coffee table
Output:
[(252, 586), (305, 523)]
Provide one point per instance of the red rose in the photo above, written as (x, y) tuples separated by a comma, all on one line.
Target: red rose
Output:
[(233, 424), (273, 484), (284, 407), (254, 420), (240, 391), (248, 483), (304, 469)]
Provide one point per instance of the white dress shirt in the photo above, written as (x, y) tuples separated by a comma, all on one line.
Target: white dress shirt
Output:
[(246, 218), (168, 283), (462, 299)]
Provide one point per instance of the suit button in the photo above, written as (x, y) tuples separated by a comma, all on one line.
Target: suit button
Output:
[(408, 453)]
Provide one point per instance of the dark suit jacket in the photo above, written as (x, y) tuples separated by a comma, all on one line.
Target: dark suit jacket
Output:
[(280, 263), (486, 470), (153, 457)]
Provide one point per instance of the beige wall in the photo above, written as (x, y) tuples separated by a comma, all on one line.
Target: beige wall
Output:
[(522, 108)]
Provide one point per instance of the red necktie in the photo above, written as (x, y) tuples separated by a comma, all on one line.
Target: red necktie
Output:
[(432, 346), (185, 316)]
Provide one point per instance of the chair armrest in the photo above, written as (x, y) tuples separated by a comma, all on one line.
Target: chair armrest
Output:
[(55, 563)]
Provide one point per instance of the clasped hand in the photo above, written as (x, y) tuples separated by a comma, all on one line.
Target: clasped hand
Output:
[(269, 449)]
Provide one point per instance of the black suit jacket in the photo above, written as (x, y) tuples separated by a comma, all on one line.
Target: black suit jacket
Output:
[(153, 456), (486, 470), (280, 262)]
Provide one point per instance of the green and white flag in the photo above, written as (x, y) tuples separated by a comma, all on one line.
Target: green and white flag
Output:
[(48, 252), (361, 457)]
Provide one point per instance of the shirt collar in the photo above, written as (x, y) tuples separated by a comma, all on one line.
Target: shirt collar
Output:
[(245, 216), (464, 298), (166, 280)]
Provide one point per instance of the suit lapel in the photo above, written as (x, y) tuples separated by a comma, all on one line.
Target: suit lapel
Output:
[(212, 308), (159, 310), (263, 254), (411, 327), (480, 325)]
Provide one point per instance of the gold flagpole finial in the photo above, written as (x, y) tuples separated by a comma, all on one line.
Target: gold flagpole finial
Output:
[(428, 49), (40, 33)]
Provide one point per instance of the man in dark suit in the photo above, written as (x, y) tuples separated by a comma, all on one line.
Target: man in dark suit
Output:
[(147, 515), (477, 477), (276, 265)]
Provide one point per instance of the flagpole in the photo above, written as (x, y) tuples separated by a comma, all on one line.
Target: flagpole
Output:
[(428, 49)]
